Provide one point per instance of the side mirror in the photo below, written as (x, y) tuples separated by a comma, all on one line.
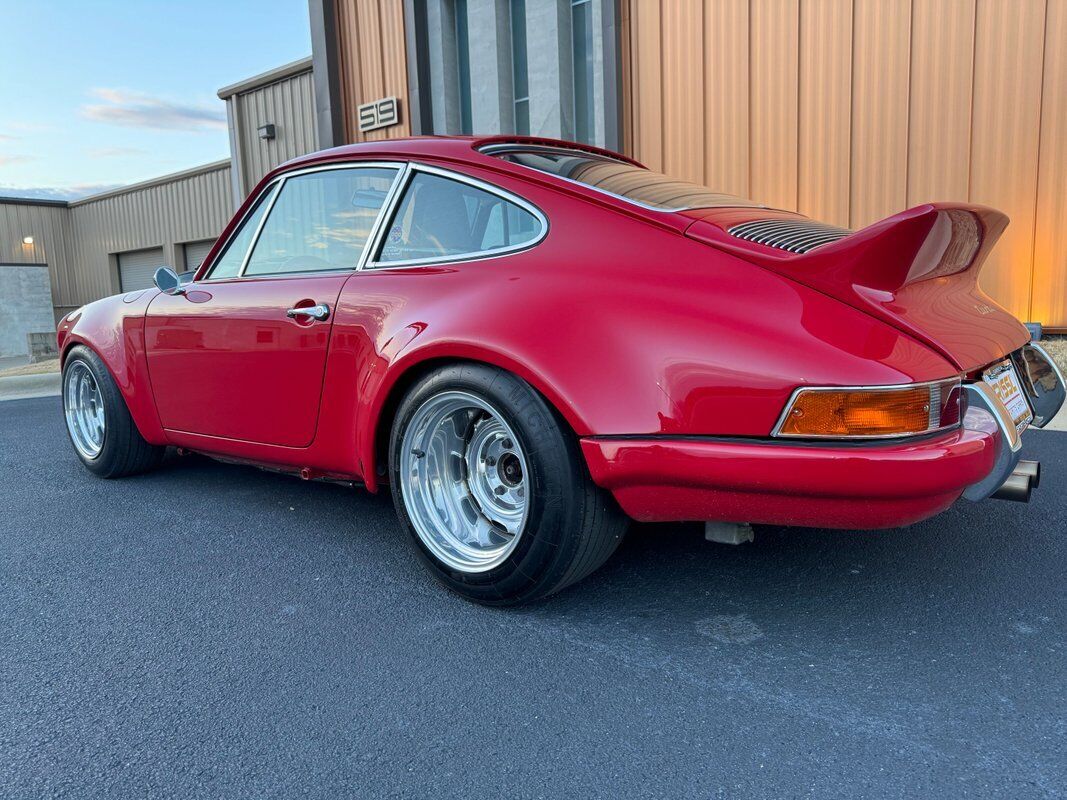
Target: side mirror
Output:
[(168, 282)]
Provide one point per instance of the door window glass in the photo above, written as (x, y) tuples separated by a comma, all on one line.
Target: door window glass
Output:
[(321, 221), (440, 218), (228, 265)]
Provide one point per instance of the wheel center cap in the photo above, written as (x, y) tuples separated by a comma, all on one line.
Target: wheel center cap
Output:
[(509, 469)]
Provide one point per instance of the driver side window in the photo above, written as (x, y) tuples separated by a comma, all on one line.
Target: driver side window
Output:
[(228, 265), (321, 221)]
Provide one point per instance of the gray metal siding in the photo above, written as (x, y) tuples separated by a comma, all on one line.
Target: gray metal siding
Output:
[(50, 227), (164, 215), (78, 240), (138, 268), (195, 253), (290, 105)]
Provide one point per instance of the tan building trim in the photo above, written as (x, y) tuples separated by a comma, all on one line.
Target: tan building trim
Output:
[(192, 172), (266, 78)]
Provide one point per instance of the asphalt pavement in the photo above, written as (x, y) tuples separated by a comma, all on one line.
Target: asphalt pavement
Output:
[(218, 631)]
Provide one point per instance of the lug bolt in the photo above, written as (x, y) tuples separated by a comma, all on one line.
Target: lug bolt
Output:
[(507, 444), (490, 461), (500, 490)]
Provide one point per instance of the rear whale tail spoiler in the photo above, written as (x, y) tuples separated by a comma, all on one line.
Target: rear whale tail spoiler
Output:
[(917, 270), (926, 242)]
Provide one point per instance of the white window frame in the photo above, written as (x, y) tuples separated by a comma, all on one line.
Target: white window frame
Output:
[(276, 186), (476, 255)]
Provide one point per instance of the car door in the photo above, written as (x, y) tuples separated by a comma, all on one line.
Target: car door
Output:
[(241, 354)]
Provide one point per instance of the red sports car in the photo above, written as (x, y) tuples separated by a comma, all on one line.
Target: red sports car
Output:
[(529, 341)]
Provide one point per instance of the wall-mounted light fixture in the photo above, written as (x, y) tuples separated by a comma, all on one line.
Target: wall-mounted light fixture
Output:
[(267, 131), (27, 240)]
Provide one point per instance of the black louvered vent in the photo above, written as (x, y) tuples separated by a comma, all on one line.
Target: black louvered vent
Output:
[(796, 236)]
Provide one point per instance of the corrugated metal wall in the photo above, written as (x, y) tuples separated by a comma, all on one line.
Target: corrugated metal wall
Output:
[(50, 227), (850, 110), (373, 62), (290, 105), (196, 206)]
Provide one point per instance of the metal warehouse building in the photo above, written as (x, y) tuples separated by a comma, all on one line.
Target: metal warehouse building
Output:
[(57, 256), (845, 110)]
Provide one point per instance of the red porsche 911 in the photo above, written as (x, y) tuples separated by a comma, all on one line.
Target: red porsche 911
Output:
[(531, 341)]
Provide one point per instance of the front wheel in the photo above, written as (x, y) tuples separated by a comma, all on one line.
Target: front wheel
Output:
[(101, 429), (492, 488)]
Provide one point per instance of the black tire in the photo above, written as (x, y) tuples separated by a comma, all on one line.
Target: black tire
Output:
[(572, 525), (124, 451)]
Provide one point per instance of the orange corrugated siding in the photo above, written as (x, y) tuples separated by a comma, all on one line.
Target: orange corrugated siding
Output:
[(1049, 286), (373, 62), (849, 110)]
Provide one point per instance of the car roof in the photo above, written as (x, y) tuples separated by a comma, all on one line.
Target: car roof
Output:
[(468, 150), (454, 148)]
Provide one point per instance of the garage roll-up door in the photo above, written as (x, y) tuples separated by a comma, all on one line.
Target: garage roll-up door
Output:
[(137, 268), (196, 252)]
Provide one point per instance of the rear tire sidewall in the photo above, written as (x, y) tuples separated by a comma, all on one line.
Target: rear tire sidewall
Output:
[(551, 511)]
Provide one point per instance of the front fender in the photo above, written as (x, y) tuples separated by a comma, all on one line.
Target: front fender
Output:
[(114, 329)]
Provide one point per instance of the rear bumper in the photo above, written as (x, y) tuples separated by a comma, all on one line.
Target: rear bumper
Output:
[(864, 486), (883, 485)]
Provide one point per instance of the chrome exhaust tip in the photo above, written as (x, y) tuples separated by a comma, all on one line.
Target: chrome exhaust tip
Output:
[(1032, 469), (1021, 483)]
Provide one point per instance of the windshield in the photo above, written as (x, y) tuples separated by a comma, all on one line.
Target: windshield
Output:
[(643, 186)]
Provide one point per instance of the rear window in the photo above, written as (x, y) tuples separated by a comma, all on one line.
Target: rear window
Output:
[(643, 186)]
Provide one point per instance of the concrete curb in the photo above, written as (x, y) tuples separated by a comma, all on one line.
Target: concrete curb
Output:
[(1058, 422), (24, 387)]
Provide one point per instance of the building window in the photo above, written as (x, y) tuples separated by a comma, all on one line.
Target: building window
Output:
[(582, 50), (519, 69), (463, 59)]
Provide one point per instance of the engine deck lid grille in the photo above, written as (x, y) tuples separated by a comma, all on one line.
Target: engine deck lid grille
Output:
[(794, 236)]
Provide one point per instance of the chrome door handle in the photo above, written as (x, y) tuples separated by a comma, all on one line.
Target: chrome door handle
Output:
[(319, 312)]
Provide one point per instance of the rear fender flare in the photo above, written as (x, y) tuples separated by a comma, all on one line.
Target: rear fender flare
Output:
[(384, 397)]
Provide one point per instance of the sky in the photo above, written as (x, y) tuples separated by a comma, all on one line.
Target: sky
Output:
[(96, 94)]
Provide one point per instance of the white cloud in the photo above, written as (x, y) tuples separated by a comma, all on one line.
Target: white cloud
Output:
[(6, 161), (139, 110)]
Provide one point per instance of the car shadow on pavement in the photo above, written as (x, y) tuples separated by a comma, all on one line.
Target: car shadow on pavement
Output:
[(943, 576)]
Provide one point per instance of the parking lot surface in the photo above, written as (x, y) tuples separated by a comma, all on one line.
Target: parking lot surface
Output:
[(218, 631)]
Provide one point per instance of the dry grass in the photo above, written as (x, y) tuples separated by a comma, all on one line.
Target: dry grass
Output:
[(1057, 348), (40, 368)]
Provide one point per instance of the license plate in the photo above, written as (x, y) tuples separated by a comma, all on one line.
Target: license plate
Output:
[(1008, 389)]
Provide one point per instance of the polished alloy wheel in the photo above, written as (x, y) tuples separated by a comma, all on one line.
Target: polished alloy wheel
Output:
[(84, 408), (463, 477)]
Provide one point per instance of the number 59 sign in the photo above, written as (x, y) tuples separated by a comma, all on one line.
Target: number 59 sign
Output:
[(378, 114)]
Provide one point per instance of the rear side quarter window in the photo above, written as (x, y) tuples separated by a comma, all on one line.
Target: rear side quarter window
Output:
[(442, 218)]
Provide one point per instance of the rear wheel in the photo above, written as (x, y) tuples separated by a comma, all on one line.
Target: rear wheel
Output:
[(493, 490), (101, 429)]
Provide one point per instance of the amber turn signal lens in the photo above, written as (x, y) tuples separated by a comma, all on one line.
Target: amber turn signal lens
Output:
[(872, 412)]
